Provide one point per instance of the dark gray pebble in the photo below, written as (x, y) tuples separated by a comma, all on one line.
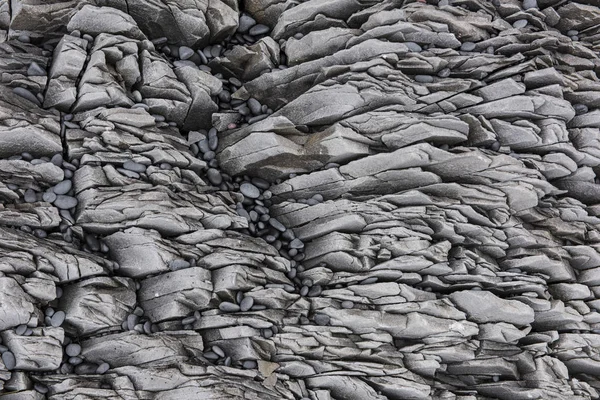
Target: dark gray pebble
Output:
[(321, 319), (277, 225), (214, 176), (259, 29), (227, 306)]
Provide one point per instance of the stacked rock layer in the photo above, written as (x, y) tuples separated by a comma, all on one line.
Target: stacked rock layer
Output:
[(325, 200)]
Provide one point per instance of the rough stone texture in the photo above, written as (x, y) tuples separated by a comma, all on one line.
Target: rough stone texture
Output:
[(342, 199)]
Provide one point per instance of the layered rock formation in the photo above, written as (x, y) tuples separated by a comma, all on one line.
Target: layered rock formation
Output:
[(345, 199)]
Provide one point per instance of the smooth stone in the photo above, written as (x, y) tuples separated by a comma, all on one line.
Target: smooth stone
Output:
[(521, 23), (414, 47), (277, 225), (215, 51), (63, 187), (347, 304), (246, 22), (102, 368), (259, 29), (58, 318), (73, 350), (35, 69), (235, 82), (249, 364), (9, 360), (246, 303), (20, 330), (214, 176), (213, 140), (424, 78), (211, 355), (185, 52), (188, 320), (226, 306), (26, 94), (134, 166), (30, 196), (249, 190), (218, 351), (296, 244), (321, 319), (57, 160), (65, 202), (304, 291), (527, 4), (468, 46), (260, 183), (315, 291), (255, 106)]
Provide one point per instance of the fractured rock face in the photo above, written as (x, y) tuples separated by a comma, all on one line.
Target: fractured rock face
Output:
[(342, 199)]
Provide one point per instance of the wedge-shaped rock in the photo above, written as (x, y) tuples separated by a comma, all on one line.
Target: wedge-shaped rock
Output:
[(175, 294), (40, 352), (97, 305), (132, 348), (483, 306)]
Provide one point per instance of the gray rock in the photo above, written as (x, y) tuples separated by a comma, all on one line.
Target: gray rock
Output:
[(65, 202), (483, 306), (249, 190)]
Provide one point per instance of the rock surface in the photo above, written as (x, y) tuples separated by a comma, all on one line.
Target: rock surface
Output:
[(318, 200)]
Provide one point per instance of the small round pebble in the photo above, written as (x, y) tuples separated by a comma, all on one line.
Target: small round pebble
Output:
[(49, 197), (468, 46), (521, 23), (249, 190), (65, 202), (249, 364), (30, 196), (347, 304), (102, 368), (185, 52), (63, 187), (73, 350), (58, 318), (527, 4), (20, 330), (321, 319), (246, 303), (259, 29)]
